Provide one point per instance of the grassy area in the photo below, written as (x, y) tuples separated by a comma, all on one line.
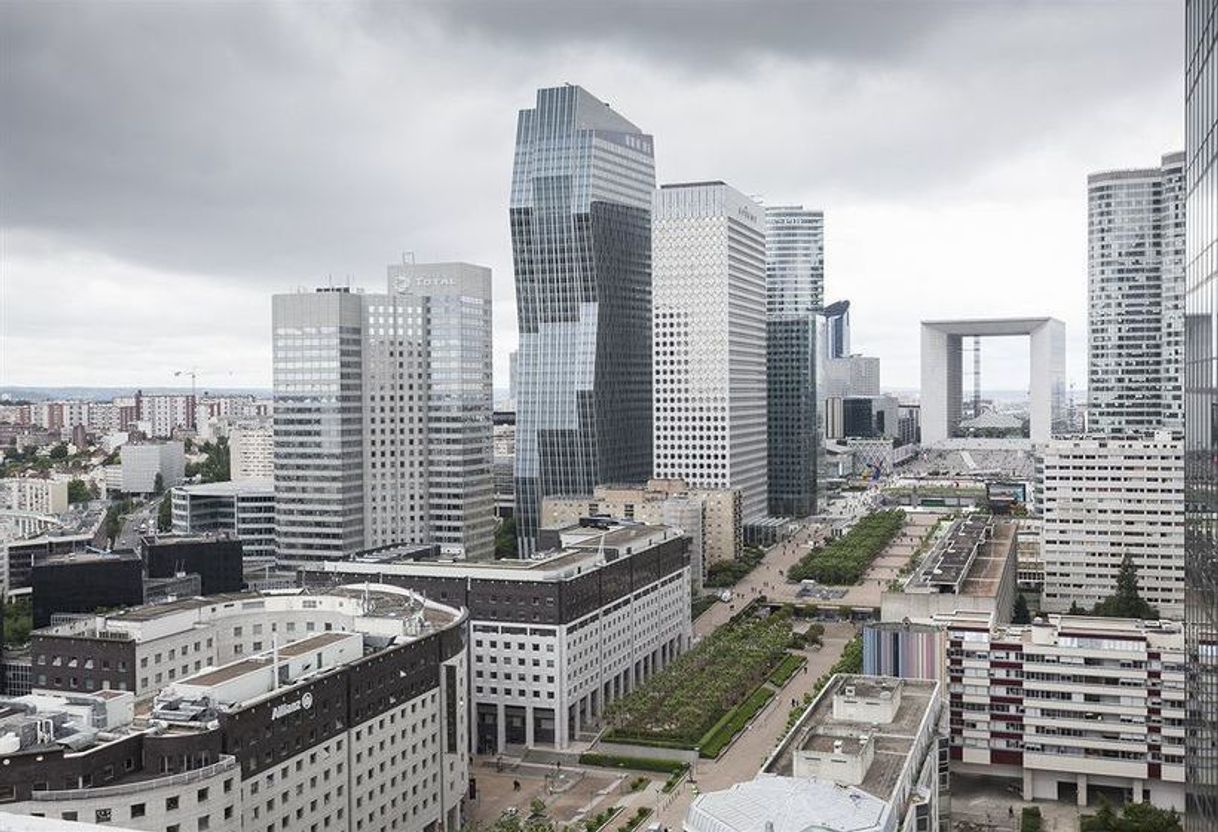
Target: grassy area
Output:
[(845, 559), (718, 737), (789, 667), (680, 704), (727, 573), (636, 820)]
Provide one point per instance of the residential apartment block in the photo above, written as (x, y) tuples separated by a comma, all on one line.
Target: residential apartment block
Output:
[(1103, 499)]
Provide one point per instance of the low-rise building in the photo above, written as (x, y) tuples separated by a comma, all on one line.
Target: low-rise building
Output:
[(242, 508), (713, 518), (555, 637), (353, 718), (216, 559), (864, 757), (972, 566), (82, 582)]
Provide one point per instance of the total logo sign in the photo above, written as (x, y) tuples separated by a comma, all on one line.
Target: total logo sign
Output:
[(304, 703)]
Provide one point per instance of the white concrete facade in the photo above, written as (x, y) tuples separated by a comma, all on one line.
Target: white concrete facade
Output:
[(141, 462), (942, 372), (251, 452), (34, 495), (1103, 499), (709, 337)]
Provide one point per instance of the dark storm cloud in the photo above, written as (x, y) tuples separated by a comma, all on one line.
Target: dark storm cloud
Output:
[(244, 148)]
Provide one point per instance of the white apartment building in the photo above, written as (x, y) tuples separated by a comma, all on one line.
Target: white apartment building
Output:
[(1070, 704), (709, 340), (712, 518), (165, 414), (1103, 499), (1135, 299), (243, 508), (864, 757), (251, 451), (34, 495), (141, 462), (556, 638), (383, 415), (342, 710)]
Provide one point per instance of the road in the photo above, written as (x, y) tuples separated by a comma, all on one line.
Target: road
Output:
[(762, 580), (129, 537)]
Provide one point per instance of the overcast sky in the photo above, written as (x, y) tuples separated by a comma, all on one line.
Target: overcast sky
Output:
[(168, 166)]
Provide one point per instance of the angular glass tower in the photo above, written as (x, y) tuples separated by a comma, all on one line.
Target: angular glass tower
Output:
[(580, 215), (1201, 412), (795, 290)]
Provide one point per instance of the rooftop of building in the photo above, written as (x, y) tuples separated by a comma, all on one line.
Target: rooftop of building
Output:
[(1095, 632), (969, 559), (159, 539), (85, 557), (588, 545), (822, 727), (230, 488), (786, 804)]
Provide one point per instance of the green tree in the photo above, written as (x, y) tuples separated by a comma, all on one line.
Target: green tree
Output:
[(158, 485), (1077, 609), (1127, 602), (505, 539), (79, 491), (1021, 614), (59, 452), (1134, 817), (164, 514), (18, 621)]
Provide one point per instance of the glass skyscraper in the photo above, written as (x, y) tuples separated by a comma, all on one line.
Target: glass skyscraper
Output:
[(580, 215), (1201, 411), (795, 289)]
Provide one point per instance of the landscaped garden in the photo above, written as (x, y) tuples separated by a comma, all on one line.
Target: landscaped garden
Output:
[(845, 559), (677, 707), (727, 573)]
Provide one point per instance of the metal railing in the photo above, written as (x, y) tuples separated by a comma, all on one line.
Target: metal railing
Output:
[(183, 778)]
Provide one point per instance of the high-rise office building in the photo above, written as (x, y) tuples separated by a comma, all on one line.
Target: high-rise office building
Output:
[(383, 416), (1201, 408), (710, 340), (795, 277), (1135, 299), (580, 216), (837, 328)]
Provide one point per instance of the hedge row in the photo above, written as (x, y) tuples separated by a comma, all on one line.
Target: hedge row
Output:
[(789, 667), (636, 763), (735, 722)]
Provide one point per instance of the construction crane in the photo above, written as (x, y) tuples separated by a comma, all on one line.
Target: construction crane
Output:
[(194, 399)]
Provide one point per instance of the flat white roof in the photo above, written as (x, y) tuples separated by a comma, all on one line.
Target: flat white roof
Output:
[(790, 804)]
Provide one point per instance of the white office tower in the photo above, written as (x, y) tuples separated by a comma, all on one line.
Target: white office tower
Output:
[(383, 416), (1103, 499), (428, 351), (709, 335), (1135, 299)]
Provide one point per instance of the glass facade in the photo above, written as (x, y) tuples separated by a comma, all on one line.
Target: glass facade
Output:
[(1201, 411), (795, 278), (580, 215), (319, 482), (1135, 299)]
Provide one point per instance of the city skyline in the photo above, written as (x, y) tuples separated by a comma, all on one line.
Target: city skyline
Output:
[(264, 200)]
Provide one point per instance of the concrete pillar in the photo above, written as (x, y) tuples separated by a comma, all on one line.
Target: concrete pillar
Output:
[(528, 726), (579, 706), (1138, 787), (1028, 779), (500, 729), (1082, 790)]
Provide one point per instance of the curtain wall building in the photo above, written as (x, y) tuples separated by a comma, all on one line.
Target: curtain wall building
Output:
[(795, 278), (710, 340), (1135, 299), (383, 416), (580, 215), (1201, 405)]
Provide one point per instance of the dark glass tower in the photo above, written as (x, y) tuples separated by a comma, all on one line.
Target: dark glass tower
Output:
[(795, 279), (1201, 412), (580, 214)]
